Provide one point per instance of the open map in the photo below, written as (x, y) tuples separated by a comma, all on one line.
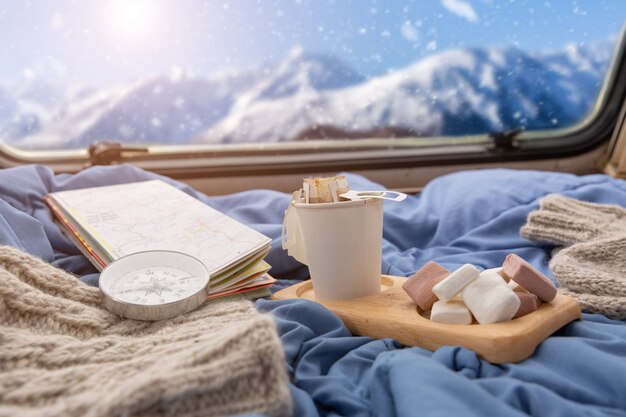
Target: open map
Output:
[(129, 218)]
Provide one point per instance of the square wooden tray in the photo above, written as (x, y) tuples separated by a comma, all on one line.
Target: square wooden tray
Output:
[(392, 314)]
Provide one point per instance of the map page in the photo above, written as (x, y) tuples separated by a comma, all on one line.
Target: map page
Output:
[(128, 218)]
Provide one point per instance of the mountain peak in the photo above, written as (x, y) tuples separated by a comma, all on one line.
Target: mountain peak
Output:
[(302, 70), (296, 53)]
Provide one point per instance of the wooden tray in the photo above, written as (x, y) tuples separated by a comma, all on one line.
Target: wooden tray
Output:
[(392, 314)]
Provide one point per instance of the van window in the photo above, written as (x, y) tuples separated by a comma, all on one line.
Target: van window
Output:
[(229, 73)]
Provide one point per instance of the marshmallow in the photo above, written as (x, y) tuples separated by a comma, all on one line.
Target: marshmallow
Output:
[(455, 282), (516, 287), (520, 271), (499, 272), (490, 299), (528, 303), (451, 312), (420, 285)]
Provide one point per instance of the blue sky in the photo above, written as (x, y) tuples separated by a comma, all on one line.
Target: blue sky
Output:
[(105, 41)]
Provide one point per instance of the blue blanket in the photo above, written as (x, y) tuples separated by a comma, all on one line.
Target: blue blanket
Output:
[(472, 217)]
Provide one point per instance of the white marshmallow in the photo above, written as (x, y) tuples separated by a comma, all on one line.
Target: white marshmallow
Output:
[(499, 272), (516, 287), (455, 282), (490, 299), (451, 312)]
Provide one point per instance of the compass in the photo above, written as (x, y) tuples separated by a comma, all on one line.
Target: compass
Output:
[(154, 285)]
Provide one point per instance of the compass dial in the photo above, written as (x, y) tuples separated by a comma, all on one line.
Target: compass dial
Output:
[(154, 285)]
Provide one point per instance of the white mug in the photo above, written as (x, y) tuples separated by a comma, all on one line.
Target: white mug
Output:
[(340, 242)]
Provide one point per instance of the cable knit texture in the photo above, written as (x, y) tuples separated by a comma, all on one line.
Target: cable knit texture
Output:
[(61, 354), (592, 268)]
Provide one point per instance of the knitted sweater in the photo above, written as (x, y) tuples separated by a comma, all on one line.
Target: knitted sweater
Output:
[(61, 354)]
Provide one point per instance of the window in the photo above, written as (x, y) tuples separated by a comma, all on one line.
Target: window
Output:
[(285, 73)]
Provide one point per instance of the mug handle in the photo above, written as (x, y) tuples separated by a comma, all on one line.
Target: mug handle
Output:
[(287, 240), (289, 237)]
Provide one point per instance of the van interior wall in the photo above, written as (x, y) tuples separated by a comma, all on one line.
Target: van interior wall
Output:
[(409, 180)]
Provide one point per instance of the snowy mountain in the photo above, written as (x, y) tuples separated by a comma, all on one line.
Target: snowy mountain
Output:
[(174, 110), (24, 108), (161, 110), (452, 93), (309, 96), (301, 72), (33, 105)]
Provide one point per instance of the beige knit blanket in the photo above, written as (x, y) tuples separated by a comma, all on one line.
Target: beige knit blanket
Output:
[(61, 354)]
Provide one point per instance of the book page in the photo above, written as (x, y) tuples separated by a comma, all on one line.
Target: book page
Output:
[(129, 218)]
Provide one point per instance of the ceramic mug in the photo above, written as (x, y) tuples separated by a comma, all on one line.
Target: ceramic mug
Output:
[(340, 242)]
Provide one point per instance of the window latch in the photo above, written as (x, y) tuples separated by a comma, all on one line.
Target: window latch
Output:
[(111, 153), (505, 141)]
